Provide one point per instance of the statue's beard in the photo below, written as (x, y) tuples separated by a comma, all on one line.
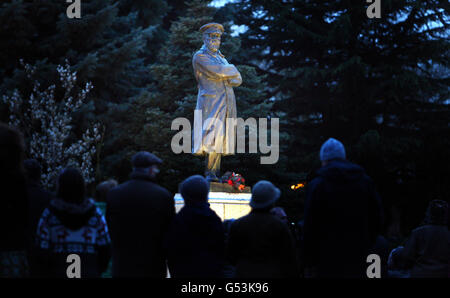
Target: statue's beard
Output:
[(213, 47)]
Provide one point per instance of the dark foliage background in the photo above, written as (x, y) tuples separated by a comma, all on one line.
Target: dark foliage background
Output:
[(381, 86)]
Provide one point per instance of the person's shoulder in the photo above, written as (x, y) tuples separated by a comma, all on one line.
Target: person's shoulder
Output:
[(313, 186), (428, 227), (119, 187), (133, 187), (214, 217), (275, 221), (240, 220), (114, 192), (356, 169), (420, 231), (161, 190), (160, 195), (253, 217), (123, 187), (315, 181)]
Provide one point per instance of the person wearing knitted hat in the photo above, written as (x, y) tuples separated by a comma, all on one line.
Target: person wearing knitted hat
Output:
[(260, 245), (332, 149), (196, 242), (343, 216), (194, 190)]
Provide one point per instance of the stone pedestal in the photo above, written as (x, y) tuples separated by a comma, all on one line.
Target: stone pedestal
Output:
[(227, 202)]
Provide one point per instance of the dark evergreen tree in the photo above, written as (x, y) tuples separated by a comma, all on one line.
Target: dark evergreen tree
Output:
[(111, 45), (176, 96), (335, 72)]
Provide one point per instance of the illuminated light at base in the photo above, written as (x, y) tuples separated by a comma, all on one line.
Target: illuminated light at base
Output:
[(297, 186)]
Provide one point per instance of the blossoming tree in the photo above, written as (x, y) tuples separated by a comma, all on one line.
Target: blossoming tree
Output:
[(47, 123)]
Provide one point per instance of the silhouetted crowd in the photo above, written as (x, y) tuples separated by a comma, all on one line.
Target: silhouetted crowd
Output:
[(141, 235)]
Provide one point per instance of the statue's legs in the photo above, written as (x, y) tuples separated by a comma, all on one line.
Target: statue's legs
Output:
[(213, 164)]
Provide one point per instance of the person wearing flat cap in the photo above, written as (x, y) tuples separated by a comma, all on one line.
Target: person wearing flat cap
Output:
[(259, 244), (213, 132), (139, 213)]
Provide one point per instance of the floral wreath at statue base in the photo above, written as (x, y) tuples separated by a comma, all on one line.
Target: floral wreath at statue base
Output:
[(234, 179)]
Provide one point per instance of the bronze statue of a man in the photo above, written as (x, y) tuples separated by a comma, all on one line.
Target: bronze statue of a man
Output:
[(216, 103)]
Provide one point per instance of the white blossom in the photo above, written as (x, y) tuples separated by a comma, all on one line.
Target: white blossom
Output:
[(48, 143)]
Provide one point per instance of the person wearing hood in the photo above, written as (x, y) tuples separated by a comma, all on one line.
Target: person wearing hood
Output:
[(72, 224), (139, 212), (196, 239), (343, 217), (260, 244)]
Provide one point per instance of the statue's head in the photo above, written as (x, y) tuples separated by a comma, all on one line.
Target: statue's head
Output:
[(211, 35)]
